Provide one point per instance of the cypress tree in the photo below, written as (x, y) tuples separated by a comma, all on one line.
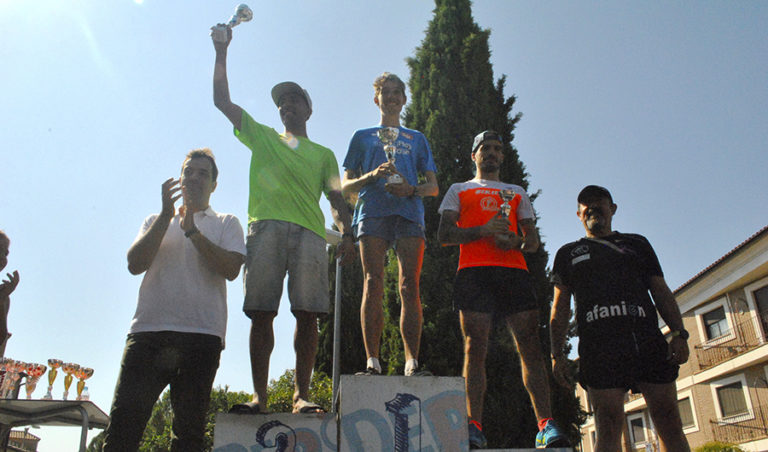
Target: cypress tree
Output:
[(454, 97)]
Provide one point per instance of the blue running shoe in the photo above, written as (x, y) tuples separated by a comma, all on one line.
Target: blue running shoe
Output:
[(551, 436), (476, 437)]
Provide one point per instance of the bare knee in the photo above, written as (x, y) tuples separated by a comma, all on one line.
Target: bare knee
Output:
[(374, 281), (476, 348)]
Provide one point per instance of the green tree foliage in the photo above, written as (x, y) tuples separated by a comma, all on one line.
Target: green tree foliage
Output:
[(717, 446), (280, 391)]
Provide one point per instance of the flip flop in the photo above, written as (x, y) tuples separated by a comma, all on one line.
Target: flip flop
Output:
[(306, 407), (246, 408)]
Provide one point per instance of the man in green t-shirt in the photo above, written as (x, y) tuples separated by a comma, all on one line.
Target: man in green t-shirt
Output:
[(286, 231)]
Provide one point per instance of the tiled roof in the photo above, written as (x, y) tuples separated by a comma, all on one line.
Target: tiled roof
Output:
[(21, 434), (727, 255)]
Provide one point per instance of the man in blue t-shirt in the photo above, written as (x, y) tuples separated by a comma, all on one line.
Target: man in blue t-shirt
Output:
[(389, 211)]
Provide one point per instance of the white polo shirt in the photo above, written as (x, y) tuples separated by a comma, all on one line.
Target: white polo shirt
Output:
[(178, 292)]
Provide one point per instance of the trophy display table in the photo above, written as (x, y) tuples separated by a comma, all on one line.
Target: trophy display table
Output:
[(16, 413)]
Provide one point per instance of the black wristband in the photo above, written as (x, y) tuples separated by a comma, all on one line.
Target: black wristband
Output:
[(682, 332), (191, 232)]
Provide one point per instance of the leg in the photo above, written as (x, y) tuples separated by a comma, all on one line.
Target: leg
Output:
[(265, 268), (662, 405), (191, 389), (475, 326), (609, 417), (138, 386), (410, 253), (305, 345), (524, 326), (372, 250), (262, 341)]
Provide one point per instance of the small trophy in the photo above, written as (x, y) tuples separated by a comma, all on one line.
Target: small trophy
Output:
[(82, 374), (69, 369), (505, 209), (242, 14), (34, 372), (54, 364), (7, 366), (387, 136), (17, 369)]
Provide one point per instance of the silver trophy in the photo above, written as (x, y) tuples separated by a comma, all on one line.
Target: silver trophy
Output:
[(387, 136), (505, 209), (242, 14)]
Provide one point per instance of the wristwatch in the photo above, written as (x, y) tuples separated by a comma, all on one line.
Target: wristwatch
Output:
[(683, 333), (191, 232)]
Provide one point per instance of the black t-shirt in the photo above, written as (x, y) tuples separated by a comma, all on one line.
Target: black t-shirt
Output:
[(609, 279)]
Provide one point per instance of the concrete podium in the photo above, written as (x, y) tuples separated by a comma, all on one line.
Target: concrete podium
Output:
[(381, 413), (375, 414), (277, 432)]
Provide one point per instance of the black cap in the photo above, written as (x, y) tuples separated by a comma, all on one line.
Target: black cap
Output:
[(591, 192), (482, 136)]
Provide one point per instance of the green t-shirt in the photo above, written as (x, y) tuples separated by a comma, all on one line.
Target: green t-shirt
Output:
[(287, 175)]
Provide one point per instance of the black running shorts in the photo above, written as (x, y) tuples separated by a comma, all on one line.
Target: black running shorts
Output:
[(497, 290), (622, 364)]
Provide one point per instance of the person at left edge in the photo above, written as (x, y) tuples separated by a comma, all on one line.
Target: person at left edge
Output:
[(178, 330)]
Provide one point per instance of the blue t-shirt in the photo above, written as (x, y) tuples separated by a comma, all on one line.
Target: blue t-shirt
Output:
[(414, 157)]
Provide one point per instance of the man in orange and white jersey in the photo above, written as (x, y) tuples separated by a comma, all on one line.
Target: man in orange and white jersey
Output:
[(493, 223)]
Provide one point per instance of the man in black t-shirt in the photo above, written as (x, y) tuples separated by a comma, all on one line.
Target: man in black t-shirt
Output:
[(621, 347)]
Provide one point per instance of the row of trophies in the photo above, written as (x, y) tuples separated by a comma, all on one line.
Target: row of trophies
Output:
[(12, 371)]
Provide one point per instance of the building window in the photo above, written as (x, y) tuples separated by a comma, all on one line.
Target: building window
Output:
[(715, 323), (636, 428), (731, 400), (761, 300), (686, 405), (686, 412)]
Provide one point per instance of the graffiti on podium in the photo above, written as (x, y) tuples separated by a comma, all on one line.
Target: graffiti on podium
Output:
[(289, 433), (408, 424), (404, 423)]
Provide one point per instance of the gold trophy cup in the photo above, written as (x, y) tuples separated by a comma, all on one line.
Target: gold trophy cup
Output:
[(54, 364), (82, 374), (69, 369)]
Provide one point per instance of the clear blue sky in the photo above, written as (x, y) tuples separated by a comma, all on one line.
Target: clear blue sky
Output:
[(664, 103)]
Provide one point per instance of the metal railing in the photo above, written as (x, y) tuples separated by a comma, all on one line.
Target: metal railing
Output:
[(745, 336), (742, 431)]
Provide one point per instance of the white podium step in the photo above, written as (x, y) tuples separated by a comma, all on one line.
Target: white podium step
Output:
[(278, 432), (376, 413), (382, 413)]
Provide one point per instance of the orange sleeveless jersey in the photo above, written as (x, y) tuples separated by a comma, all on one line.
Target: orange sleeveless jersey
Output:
[(478, 202)]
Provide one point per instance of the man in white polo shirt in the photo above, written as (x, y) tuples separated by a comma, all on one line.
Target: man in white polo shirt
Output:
[(178, 331)]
